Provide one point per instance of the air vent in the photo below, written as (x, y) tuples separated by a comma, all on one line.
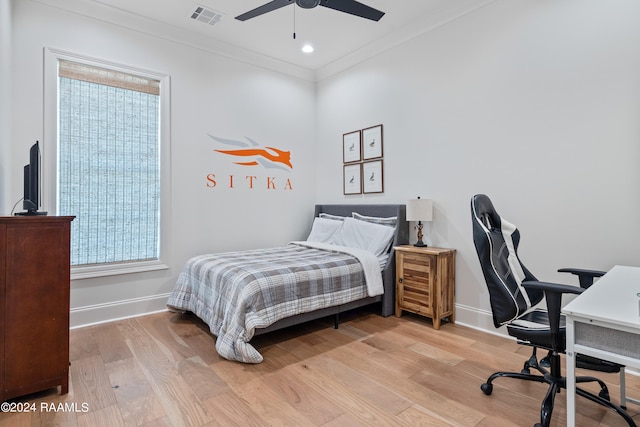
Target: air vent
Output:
[(208, 16)]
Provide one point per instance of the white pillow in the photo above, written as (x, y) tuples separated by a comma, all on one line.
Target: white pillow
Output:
[(324, 230), (390, 221), (365, 235), (329, 216)]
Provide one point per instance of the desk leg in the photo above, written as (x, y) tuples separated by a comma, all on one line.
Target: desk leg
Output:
[(571, 374)]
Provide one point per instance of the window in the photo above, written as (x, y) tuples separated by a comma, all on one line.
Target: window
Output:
[(109, 167)]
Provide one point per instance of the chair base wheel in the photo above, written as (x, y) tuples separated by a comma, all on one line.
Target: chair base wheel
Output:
[(487, 388)]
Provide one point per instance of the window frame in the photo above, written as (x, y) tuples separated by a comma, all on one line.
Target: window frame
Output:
[(50, 152)]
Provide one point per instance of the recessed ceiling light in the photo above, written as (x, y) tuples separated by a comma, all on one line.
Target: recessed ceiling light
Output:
[(307, 48)]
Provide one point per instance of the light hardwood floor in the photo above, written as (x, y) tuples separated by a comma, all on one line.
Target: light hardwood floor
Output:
[(163, 370)]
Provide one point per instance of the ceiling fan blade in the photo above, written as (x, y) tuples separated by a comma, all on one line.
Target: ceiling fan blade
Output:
[(354, 8), (273, 5)]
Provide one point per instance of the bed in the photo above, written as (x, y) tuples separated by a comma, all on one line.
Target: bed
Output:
[(346, 262)]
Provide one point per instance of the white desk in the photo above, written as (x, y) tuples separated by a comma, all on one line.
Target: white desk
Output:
[(604, 322)]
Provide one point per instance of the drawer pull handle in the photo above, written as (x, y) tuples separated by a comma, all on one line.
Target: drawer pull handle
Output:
[(400, 280)]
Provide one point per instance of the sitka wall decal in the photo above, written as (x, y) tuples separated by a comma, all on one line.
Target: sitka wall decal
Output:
[(250, 154), (268, 157)]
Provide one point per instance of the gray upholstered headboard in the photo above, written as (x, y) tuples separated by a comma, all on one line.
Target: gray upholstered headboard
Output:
[(401, 237)]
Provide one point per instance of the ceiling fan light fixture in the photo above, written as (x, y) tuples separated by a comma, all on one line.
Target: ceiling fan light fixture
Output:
[(351, 7), (307, 4)]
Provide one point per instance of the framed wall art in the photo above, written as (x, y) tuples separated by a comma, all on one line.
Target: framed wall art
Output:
[(351, 147), (372, 177), (352, 179), (372, 142)]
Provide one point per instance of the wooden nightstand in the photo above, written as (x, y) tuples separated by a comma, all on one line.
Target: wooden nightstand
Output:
[(425, 282)]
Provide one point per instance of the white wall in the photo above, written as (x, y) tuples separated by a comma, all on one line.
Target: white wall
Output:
[(5, 102), (535, 104), (210, 94)]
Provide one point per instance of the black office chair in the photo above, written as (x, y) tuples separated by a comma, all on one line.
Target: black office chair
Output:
[(513, 292)]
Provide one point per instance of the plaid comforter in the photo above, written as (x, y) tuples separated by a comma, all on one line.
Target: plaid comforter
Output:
[(236, 292)]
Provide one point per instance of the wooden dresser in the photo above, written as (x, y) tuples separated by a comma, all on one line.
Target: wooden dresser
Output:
[(34, 304), (425, 282)]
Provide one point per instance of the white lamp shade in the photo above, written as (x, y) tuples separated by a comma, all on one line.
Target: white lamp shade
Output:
[(420, 210)]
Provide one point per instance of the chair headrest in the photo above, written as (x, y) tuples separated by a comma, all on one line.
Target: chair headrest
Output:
[(485, 213)]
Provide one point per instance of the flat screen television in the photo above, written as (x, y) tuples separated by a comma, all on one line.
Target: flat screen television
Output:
[(31, 200)]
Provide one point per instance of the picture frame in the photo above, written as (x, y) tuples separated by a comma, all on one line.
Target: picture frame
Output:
[(352, 147), (372, 142), (372, 177), (352, 179)]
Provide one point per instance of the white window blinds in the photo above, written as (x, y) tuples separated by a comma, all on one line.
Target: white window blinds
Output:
[(109, 163)]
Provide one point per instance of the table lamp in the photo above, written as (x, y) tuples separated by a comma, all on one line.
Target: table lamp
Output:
[(420, 210)]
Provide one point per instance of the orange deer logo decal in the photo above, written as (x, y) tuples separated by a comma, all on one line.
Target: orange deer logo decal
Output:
[(253, 155)]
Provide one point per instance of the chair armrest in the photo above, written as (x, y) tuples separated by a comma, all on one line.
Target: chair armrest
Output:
[(552, 288), (584, 276), (553, 295)]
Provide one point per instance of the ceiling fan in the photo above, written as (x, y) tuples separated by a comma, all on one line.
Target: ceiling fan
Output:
[(347, 6)]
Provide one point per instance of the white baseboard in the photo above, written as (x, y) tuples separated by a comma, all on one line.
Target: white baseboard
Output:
[(101, 313), (478, 319), (116, 310)]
